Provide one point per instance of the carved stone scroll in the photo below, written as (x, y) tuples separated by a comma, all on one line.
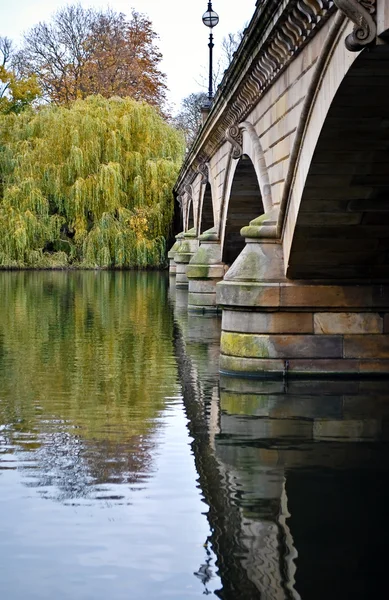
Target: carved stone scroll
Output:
[(360, 12), (188, 189), (234, 136), (203, 170)]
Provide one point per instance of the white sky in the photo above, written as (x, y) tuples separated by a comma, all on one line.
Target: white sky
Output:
[(183, 37)]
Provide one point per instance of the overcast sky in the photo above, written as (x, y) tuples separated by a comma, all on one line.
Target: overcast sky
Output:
[(183, 37)]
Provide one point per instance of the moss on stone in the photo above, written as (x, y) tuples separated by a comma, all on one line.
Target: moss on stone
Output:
[(197, 271), (244, 345)]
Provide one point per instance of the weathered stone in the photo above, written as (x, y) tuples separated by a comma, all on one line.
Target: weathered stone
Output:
[(181, 278), (339, 296), (269, 322), (252, 367), (366, 346), (248, 294), (331, 322), (205, 271), (198, 299), (281, 346), (173, 249), (308, 367), (258, 262), (376, 366), (207, 286), (278, 368)]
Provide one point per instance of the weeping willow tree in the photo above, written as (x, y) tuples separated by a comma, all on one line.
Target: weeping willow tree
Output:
[(87, 186)]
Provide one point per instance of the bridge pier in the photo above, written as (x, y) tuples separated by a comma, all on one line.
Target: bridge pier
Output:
[(274, 327), (171, 255), (187, 246), (205, 269)]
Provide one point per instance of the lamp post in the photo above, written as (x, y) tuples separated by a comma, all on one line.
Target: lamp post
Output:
[(210, 19)]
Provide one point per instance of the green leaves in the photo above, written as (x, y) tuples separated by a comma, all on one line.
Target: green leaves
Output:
[(88, 185)]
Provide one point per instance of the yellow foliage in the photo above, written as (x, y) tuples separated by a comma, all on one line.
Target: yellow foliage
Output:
[(90, 183)]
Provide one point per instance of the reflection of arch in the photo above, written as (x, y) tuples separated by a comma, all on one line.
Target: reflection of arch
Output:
[(338, 219), (206, 220), (244, 205)]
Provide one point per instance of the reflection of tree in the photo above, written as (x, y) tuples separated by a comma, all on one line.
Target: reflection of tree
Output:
[(85, 366), (68, 468)]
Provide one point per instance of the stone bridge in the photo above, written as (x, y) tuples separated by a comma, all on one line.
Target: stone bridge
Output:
[(285, 194)]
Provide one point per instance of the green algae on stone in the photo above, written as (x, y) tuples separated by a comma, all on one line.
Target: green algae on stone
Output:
[(244, 345)]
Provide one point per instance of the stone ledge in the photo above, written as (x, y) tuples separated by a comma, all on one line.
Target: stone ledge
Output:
[(261, 368)]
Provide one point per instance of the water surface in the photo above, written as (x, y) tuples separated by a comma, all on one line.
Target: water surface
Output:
[(129, 469)]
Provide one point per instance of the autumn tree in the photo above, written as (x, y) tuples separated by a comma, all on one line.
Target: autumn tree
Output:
[(85, 51), (87, 185), (189, 117), (15, 92)]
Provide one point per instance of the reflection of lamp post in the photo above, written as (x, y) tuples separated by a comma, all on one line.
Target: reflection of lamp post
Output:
[(210, 19)]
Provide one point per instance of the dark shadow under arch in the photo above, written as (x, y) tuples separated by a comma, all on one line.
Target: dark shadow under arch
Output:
[(342, 229), (244, 205), (207, 221), (190, 216)]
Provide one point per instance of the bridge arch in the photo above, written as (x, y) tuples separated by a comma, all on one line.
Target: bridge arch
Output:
[(337, 224), (189, 218), (206, 216), (244, 204)]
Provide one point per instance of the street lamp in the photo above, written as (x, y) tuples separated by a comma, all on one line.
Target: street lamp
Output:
[(210, 19)]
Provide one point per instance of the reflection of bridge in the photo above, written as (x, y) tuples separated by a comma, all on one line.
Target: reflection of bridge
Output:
[(285, 193), (294, 476)]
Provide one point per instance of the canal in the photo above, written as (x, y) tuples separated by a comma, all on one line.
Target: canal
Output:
[(130, 470)]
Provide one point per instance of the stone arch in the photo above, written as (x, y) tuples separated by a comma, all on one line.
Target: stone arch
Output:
[(244, 204), (188, 204), (206, 219), (178, 216), (190, 216), (246, 177), (337, 224)]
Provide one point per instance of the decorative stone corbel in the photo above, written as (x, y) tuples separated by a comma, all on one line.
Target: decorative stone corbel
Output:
[(203, 170), (365, 29), (234, 136), (188, 190)]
